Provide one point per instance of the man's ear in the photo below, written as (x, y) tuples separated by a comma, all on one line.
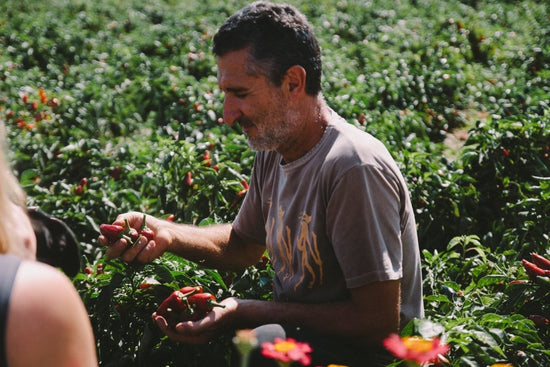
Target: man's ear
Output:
[(294, 82)]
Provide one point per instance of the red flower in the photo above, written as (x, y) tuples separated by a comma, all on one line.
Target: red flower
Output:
[(288, 350), (415, 348)]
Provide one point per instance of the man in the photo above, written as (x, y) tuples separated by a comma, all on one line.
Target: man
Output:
[(326, 200)]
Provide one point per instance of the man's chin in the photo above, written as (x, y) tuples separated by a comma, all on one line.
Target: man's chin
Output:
[(259, 146)]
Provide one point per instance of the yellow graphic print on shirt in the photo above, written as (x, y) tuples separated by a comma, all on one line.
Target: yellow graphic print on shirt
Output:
[(306, 248)]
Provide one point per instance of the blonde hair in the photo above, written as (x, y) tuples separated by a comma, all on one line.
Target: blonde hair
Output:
[(10, 193)]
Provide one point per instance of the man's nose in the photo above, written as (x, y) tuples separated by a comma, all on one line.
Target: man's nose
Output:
[(231, 111)]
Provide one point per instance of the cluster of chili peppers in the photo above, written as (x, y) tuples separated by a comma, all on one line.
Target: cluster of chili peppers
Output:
[(115, 232), (538, 270), (189, 303), (539, 267)]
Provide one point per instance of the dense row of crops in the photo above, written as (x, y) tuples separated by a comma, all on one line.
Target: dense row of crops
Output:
[(124, 95)]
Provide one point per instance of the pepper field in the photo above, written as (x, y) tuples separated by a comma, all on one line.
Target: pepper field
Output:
[(113, 106)]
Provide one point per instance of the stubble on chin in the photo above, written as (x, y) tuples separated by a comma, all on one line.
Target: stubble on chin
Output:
[(274, 136)]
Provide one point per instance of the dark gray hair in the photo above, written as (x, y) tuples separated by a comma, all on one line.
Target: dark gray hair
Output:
[(278, 35)]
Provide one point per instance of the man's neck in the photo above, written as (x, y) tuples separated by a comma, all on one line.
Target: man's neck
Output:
[(316, 117)]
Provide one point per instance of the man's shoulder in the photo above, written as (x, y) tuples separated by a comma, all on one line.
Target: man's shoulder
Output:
[(356, 146)]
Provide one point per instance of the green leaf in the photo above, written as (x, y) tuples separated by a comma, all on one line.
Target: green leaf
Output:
[(493, 279)]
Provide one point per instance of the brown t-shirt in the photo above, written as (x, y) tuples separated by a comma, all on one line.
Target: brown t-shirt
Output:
[(337, 218)]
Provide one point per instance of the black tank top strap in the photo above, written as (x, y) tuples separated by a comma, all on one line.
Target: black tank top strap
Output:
[(9, 265)]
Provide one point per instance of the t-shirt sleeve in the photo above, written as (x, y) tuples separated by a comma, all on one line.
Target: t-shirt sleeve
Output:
[(363, 223), (250, 222)]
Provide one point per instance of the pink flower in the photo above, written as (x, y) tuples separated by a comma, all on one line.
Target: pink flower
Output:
[(415, 348), (287, 350)]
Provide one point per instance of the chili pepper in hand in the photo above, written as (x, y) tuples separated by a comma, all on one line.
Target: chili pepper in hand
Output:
[(540, 261), (130, 234), (146, 231), (204, 302), (176, 307), (188, 289), (171, 307), (176, 301), (533, 270), (112, 232)]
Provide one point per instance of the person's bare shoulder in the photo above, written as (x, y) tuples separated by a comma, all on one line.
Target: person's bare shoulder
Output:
[(47, 322)]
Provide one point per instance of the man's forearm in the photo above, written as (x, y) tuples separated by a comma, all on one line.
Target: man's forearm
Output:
[(213, 246), (339, 319)]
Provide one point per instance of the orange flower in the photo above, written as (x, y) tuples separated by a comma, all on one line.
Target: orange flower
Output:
[(287, 351), (415, 348), (501, 365)]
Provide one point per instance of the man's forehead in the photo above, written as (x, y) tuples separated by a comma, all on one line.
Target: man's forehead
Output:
[(233, 71)]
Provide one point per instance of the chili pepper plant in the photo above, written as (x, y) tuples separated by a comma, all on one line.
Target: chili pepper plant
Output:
[(111, 106)]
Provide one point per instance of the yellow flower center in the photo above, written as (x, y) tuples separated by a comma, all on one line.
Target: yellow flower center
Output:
[(284, 346), (417, 344)]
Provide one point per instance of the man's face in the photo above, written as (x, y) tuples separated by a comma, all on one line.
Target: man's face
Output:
[(258, 106)]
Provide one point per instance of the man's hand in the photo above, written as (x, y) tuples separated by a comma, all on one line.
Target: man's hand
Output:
[(143, 251), (201, 331)]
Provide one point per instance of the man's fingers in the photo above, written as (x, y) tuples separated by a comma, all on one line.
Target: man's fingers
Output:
[(132, 251), (114, 250), (184, 332), (149, 253)]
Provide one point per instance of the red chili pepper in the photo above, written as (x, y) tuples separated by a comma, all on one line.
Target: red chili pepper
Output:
[(540, 261), (112, 232), (43, 97), (146, 231), (130, 234), (145, 285), (204, 302), (78, 190), (176, 307), (189, 290), (533, 270), (206, 158), (189, 178), (175, 302)]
